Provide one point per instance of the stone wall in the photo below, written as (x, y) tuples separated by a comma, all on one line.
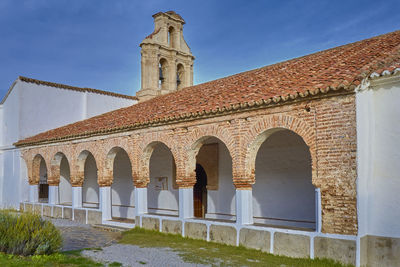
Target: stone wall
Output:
[(327, 125)]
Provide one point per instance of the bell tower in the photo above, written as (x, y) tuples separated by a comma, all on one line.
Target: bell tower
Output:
[(167, 62)]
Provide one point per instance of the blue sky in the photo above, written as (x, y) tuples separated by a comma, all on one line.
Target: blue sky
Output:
[(95, 43)]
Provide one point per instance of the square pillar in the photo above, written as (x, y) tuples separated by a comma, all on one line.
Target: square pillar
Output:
[(140, 201), (77, 197), (186, 203), (244, 206), (34, 193), (105, 203), (53, 194)]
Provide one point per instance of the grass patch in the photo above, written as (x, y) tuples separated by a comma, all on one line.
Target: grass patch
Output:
[(202, 252), (94, 249), (57, 259)]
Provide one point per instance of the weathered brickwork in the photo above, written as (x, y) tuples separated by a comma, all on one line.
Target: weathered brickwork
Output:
[(327, 125)]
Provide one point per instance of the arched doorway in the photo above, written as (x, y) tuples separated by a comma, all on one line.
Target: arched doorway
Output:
[(200, 193), (214, 193), (65, 188), (43, 184), (162, 190), (90, 188), (122, 188), (283, 194)]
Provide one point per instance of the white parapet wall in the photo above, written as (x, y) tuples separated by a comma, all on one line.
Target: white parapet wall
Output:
[(279, 241)]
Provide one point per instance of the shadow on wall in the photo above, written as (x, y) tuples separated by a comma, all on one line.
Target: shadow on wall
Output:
[(162, 195), (90, 188), (283, 193), (65, 189), (122, 188)]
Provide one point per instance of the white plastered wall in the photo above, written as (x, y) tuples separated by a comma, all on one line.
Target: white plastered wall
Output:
[(33, 108), (283, 193), (378, 158), (98, 103), (90, 189), (10, 157), (221, 203), (122, 189), (162, 201), (65, 188)]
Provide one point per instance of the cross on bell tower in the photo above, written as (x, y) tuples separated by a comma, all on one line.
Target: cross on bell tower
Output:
[(167, 62)]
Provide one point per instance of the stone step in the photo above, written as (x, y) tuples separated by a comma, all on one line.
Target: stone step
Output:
[(110, 228)]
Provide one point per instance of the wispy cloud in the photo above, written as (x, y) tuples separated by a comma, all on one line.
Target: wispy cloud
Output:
[(359, 18)]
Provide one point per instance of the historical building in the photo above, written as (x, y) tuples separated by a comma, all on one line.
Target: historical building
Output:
[(299, 158)]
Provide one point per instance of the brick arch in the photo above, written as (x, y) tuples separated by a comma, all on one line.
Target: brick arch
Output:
[(79, 167), (36, 161), (28, 164), (55, 166), (260, 130), (108, 151), (27, 156), (108, 170), (146, 147), (195, 140)]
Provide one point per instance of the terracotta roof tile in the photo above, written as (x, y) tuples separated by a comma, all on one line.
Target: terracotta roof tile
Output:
[(338, 68)]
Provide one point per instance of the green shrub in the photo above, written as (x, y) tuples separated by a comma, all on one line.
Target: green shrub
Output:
[(27, 234)]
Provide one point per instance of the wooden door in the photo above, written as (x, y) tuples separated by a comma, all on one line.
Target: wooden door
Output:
[(43, 191), (200, 193)]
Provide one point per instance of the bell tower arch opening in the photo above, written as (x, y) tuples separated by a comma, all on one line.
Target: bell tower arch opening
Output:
[(171, 37), (167, 62), (180, 76), (163, 74)]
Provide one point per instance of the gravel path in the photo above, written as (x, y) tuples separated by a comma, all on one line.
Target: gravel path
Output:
[(79, 236), (130, 255)]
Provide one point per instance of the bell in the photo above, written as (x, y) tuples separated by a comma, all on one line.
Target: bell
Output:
[(161, 74)]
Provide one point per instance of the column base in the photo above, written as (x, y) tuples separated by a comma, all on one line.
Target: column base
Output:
[(244, 206), (140, 201), (77, 197), (53, 194), (186, 203), (34, 193), (105, 202)]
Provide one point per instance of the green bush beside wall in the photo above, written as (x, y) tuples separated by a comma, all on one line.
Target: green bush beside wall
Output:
[(27, 234)]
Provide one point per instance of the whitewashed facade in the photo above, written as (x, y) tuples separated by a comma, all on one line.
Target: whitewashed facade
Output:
[(30, 108)]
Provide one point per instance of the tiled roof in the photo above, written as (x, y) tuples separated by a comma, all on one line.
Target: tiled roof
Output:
[(74, 88), (338, 69), (387, 71)]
